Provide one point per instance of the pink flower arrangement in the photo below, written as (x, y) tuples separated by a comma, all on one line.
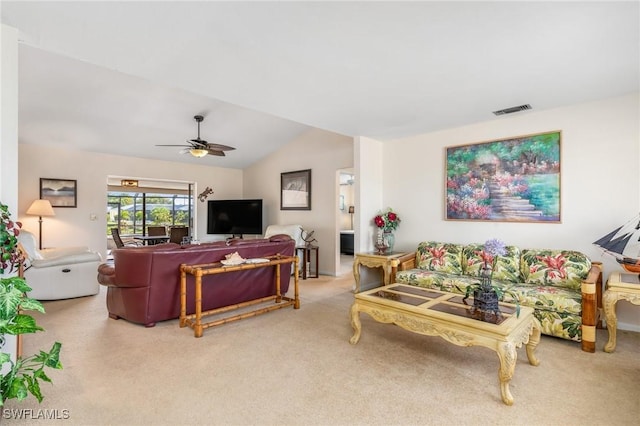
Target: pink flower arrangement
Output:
[(388, 221)]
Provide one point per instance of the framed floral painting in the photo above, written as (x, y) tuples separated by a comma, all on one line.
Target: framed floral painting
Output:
[(508, 180)]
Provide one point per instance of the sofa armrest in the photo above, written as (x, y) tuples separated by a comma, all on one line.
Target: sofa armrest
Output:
[(107, 274), (67, 258), (407, 261), (51, 253), (591, 289)]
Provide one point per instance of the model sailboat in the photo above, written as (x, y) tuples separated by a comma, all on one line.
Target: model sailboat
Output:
[(624, 244)]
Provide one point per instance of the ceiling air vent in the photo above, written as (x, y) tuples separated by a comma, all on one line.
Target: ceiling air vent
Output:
[(512, 109)]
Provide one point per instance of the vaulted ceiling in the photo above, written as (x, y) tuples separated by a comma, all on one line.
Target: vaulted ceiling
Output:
[(122, 77)]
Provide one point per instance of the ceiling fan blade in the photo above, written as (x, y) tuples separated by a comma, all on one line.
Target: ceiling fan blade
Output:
[(198, 142), (218, 147), (196, 146)]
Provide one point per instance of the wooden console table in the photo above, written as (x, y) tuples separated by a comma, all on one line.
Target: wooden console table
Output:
[(198, 271)]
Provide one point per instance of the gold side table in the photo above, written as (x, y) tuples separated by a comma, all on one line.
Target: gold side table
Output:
[(388, 262), (620, 286)]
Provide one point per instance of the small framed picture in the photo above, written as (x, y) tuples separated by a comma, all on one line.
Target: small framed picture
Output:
[(59, 192), (295, 190)]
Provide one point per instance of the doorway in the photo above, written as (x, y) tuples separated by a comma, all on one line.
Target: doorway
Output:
[(346, 211)]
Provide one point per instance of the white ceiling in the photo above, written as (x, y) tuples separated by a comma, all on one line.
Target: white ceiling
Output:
[(120, 77)]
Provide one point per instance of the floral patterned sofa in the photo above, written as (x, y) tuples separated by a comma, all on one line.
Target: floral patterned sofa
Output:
[(562, 286)]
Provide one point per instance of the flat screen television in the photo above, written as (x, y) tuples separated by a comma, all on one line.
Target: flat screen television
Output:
[(235, 217)]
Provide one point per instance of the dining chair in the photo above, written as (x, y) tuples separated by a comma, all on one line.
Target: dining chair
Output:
[(115, 233), (156, 231), (177, 233)]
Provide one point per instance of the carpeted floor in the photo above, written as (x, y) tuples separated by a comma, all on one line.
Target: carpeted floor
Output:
[(296, 367)]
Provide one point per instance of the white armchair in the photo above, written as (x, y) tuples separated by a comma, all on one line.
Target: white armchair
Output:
[(294, 231), (59, 273)]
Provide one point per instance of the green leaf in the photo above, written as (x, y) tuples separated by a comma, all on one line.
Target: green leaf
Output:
[(51, 358), (18, 389), (34, 387), (24, 324), (28, 304), (40, 374), (10, 298)]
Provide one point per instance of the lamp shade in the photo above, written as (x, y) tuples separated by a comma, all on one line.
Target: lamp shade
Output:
[(41, 208), (198, 152), (352, 209)]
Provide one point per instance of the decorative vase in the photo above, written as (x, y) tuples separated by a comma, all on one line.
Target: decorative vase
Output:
[(390, 239), (485, 299), (381, 243), (485, 303)]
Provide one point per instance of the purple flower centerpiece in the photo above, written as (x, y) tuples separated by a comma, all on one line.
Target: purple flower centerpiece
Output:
[(492, 250), (485, 294)]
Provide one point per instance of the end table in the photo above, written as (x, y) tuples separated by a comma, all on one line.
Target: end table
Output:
[(307, 252), (388, 262), (619, 286)]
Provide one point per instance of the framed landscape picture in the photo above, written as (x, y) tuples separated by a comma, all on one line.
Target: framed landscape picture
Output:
[(60, 192), (508, 180), (295, 190)]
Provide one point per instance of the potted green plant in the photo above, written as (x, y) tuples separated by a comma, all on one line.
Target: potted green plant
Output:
[(19, 378)]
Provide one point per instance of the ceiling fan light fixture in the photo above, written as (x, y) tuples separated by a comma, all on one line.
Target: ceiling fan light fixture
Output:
[(198, 152)]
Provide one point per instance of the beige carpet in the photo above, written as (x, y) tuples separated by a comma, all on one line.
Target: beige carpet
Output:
[(296, 367)]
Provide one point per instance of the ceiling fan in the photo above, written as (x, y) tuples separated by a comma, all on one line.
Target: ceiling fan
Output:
[(199, 147)]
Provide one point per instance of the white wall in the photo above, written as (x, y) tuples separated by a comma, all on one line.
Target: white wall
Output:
[(9, 118), (9, 141), (600, 182), (72, 226), (368, 191), (324, 153)]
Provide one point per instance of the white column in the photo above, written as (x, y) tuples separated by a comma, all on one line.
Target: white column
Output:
[(9, 135), (9, 118)]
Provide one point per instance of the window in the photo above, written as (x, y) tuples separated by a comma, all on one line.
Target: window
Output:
[(131, 212)]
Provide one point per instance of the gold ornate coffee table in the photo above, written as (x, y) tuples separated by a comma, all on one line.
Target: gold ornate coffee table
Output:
[(437, 313)]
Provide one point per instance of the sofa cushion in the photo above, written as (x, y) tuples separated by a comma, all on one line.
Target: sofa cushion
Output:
[(506, 268), (439, 280), (439, 257), (546, 298), (559, 268)]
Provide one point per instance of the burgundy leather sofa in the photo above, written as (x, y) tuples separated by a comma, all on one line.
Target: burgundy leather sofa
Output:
[(144, 282)]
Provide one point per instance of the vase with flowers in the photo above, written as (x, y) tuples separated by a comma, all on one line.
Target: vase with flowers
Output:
[(485, 295), (386, 222)]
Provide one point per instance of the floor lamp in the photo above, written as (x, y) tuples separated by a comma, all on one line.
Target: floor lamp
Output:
[(352, 210), (41, 208)]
